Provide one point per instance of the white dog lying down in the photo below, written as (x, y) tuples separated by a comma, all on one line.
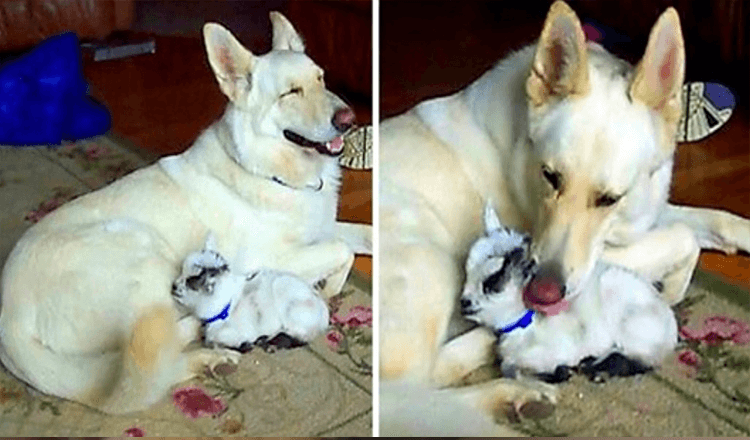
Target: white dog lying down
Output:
[(619, 319), (265, 307)]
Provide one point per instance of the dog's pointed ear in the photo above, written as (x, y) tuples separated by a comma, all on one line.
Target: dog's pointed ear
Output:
[(491, 220), (560, 66), (229, 60), (658, 78), (285, 37)]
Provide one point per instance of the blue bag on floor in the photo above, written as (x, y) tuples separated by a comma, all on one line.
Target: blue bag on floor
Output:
[(43, 97)]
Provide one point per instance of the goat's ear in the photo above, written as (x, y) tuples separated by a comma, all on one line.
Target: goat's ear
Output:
[(231, 62), (659, 76), (560, 66), (210, 244), (491, 220), (285, 37)]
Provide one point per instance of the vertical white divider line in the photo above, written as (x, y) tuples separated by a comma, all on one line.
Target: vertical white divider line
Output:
[(375, 217)]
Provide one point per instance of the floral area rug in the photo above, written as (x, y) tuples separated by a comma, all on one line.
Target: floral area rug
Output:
[(702, 391), (322, 389)]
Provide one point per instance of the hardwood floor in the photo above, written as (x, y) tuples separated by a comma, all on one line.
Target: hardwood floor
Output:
[(436, 50)]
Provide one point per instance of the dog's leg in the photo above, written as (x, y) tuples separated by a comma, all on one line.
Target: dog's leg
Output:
[(667, 255), (462, 355), (198, 359), (714, 229), (418, 287), (152, 363), (327, 264), (358, 236), (501, 397)]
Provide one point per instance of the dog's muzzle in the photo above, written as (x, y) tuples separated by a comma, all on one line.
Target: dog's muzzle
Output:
[(343, 120), (334, 147)]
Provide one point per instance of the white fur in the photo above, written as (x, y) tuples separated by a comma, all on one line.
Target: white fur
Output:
[(617, 311), (262, 303), (606, 126), (86, 307)]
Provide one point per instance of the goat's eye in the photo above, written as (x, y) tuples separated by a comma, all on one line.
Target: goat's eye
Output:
[(553, 177), (605, 200), (292, 91), (194, 282)]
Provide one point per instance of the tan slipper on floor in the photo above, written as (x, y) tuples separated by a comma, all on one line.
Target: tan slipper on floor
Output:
[(357, 154)]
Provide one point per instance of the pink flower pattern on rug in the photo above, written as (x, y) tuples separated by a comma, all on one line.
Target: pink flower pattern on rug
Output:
[(718, 329), (43, 209), (358, 316), (194, 402), (134, 432)]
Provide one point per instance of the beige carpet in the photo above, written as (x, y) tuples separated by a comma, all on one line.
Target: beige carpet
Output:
[(323, 389)]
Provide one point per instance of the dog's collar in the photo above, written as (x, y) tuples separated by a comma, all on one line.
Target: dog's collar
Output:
[(224, 314), (523, 322), (282, 183)]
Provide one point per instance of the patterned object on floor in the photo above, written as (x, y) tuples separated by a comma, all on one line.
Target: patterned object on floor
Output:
[(357, 154), (706, 108), (322, 389)]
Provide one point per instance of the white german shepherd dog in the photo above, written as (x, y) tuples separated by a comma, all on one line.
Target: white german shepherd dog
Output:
[(571, 145), (86, 307)]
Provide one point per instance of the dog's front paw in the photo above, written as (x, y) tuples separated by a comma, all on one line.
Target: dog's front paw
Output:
[(532, 390), (212, 359), (526, 398), (226, 356), (512, 399)]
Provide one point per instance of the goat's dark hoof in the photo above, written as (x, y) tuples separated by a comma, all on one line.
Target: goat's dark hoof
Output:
[(561, 374), (614, 365)]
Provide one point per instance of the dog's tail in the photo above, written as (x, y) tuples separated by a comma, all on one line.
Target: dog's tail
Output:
[(413, 410), (713, 228)]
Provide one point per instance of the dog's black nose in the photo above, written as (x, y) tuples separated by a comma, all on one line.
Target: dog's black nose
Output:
[(343, 119), (465, 306)]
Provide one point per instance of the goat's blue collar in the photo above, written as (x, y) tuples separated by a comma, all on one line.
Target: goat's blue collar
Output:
[(523, 322), (224, 314)]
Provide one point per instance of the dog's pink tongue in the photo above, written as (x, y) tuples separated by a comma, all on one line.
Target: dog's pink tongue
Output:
[(336, 144), (545, 296), (552, 309)]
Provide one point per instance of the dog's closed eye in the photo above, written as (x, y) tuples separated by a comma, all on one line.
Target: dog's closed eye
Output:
[(604, 200), (291, 92)]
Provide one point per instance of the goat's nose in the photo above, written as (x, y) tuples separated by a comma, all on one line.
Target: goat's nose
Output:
[(343, 119)]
